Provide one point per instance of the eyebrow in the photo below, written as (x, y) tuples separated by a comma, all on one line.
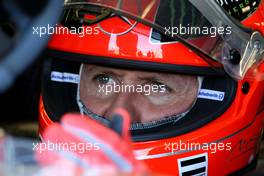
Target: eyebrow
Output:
[(105, 70), (155, 76), (150, 75)]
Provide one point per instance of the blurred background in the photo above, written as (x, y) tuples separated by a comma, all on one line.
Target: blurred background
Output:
[(19, 105)]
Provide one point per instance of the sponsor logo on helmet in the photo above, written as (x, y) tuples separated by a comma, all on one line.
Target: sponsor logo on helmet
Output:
[(211, 94), (64, 77)]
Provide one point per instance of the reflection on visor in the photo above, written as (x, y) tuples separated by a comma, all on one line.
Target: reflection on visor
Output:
[(201, 25)]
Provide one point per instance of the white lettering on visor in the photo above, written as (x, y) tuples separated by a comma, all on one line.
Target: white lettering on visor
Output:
[(211, 94), (64, 77)]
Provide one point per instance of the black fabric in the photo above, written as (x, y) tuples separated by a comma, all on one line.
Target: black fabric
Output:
[(20, 103), (60, 98), (32, 7)]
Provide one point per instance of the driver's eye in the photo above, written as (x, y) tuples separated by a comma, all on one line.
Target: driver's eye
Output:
[(104, 79), (161, 87)]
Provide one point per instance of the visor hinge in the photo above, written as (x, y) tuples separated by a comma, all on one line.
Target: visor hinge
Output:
[(253, 52)]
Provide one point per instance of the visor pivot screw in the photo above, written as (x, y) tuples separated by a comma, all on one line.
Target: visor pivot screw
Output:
[(245, 88), (235, 56), (257, 44)]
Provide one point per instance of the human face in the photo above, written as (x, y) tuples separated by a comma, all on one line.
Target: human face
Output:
[(147, 96)]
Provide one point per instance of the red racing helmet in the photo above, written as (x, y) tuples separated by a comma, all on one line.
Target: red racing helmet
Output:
[(221, 43)]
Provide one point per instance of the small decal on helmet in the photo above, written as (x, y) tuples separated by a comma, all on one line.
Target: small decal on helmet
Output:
[(194, 165), (64, 77), (211, 95)]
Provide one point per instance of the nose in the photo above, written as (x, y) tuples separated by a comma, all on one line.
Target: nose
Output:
[(125, 101)]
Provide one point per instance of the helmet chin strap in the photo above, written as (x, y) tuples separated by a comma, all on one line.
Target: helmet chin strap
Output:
[(137, 125)]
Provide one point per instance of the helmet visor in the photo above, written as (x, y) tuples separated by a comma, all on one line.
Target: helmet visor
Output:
[(203, 26)]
